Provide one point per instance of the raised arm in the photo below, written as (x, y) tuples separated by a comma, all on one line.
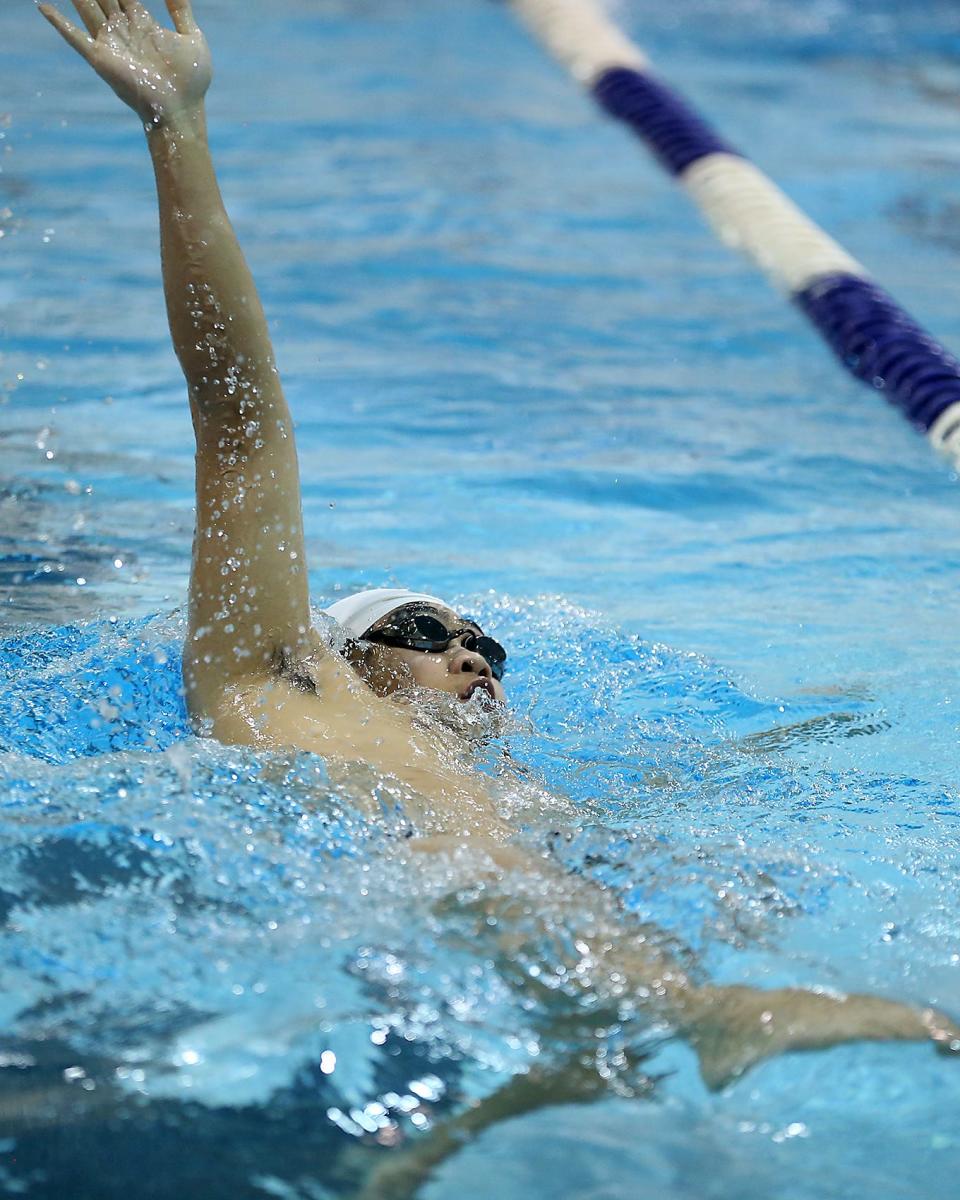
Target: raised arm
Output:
[(248, 586)]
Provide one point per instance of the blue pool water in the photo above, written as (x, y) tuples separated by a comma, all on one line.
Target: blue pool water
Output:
[(524, 376)]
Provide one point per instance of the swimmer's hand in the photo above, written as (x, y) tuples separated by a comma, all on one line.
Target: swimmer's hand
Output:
[(163, 75), (734, 1028)]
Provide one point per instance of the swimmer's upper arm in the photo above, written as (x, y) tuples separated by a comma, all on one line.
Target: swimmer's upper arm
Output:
[(249, 605)]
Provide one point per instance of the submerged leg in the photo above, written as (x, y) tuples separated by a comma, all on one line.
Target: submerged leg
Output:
[(402, 1172)]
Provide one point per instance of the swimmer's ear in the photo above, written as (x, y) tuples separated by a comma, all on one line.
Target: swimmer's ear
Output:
[(372, 663), (357, 654)]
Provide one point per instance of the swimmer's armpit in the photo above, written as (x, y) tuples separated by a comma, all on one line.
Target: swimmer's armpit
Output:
[(248, 588)]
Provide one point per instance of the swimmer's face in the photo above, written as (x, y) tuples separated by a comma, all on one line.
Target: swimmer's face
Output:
[(457, 670)]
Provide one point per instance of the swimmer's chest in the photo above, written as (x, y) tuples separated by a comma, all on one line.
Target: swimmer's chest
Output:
[(333, 713)]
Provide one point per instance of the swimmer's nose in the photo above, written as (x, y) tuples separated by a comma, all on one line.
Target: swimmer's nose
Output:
[(466, 662)]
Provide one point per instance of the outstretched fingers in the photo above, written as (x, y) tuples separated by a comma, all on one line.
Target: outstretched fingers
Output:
[(136, 14), (81, 42), (91, 14), (944, 1033), (181, 13)]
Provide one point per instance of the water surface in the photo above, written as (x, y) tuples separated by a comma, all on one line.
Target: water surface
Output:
[(524, 376)]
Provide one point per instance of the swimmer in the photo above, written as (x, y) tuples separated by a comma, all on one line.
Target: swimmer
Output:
[(257, 673)]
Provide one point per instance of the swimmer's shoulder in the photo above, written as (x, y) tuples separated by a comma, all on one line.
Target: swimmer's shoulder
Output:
[(310, 703)]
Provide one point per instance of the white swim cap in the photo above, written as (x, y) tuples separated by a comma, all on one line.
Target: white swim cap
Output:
[(358, 612)]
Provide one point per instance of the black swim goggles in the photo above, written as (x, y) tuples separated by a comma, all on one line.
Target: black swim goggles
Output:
[(423, 631)]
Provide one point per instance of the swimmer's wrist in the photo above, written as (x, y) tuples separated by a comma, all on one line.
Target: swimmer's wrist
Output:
[(183, 124)]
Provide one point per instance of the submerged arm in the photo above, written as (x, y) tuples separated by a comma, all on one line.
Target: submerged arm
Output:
[(545, 918), (536, 906), (248, 587)]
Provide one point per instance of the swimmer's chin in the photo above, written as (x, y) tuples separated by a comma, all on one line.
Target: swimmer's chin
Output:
[(477, 715)]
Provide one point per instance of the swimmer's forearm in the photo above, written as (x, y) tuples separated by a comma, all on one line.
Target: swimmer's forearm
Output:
[(218, 327), (544, 907), (733, 1028), (216, 320)]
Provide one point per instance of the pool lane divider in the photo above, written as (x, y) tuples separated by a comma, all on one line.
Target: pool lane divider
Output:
[(875, 339)]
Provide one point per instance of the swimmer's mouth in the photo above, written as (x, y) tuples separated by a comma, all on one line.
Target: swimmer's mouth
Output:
[(480, 685)]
